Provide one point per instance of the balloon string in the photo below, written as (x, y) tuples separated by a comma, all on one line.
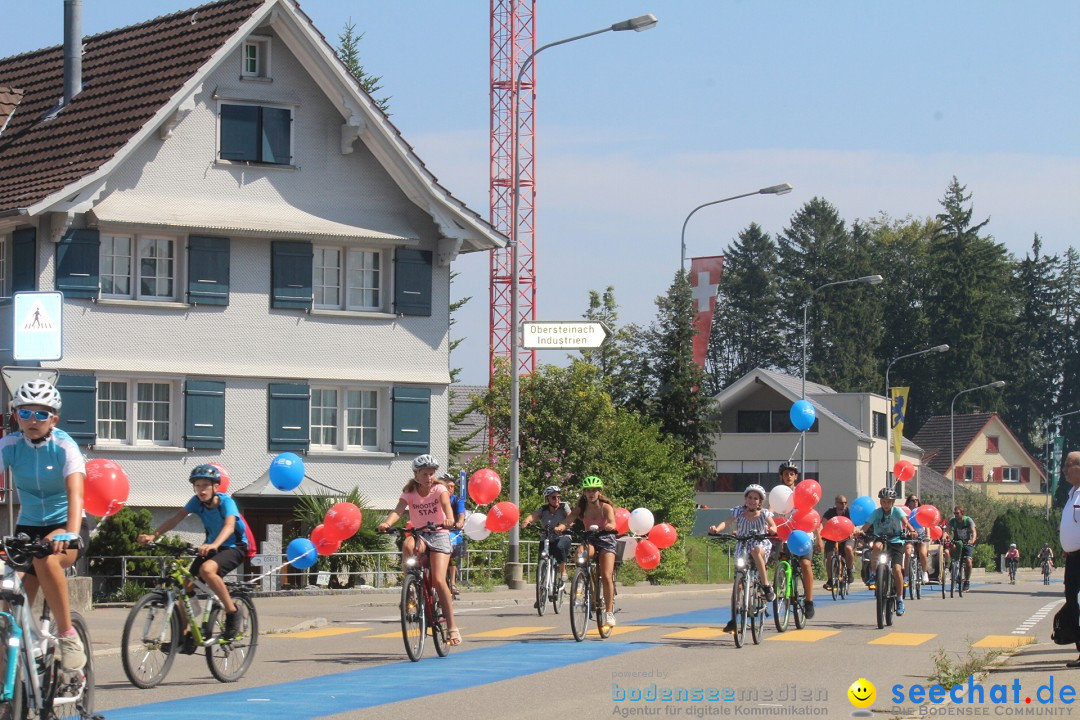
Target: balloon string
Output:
[(283, 565)]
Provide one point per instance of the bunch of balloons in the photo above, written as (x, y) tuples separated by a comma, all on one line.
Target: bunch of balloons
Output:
[(798, 505), (106, 488), (339, 524), (287, 471)]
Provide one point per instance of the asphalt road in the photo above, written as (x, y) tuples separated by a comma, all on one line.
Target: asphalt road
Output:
[(342, 656)]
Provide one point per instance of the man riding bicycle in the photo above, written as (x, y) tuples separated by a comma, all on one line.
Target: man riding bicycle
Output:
[(840, 509), (963, 534), (890, 521)]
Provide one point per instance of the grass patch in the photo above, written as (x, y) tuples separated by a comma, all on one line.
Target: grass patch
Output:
[(708, 562), (949, 671)]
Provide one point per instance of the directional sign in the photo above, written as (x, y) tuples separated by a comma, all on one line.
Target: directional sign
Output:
[(37, 326), (569, 335)]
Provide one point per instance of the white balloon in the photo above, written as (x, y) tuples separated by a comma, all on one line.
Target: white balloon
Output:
[(781, 499), (474, 526), (641, 521)]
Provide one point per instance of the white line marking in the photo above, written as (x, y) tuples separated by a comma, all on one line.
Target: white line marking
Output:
[(1031, 622)]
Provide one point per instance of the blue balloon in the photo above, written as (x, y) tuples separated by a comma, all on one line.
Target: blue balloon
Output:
[(301, 553), (911, 519), (799, 542), (802, 415), (861, 508), (286, 471)]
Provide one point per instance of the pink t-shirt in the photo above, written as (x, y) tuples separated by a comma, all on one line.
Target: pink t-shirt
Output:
[(427, 508)]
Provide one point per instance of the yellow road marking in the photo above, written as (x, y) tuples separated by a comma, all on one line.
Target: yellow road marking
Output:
[(511, 631), (698, 633), (803, 635), (899, 638), (617, 630), (1004, 641), (386, 635), (324, 632)]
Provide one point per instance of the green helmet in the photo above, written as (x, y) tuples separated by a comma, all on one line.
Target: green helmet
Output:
[(592, 482)]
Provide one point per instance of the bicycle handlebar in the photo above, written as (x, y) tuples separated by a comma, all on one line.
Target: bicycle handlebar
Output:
[(20, 550), (403, 531), (743, 538)]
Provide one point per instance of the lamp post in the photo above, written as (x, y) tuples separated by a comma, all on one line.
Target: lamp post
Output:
[(1051, 451), (865, 280), (781, 189), (888, 399), (952, 432), (637, 24)]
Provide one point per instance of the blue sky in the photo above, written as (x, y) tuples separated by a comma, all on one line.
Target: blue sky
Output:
[(872, 106)]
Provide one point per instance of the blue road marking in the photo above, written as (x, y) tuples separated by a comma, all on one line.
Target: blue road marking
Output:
[(720, 615), (358, 689)]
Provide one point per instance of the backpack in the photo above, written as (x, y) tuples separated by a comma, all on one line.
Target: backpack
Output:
[(249, 537), (1066, 622)]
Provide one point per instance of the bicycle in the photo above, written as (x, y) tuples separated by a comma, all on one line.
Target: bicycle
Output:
[(420, 605), (1012, 570), (913, 574), (885, 596), (956, 572), (838, 570), (1046, 572), (748, 602), (788, 601), (154, 630), (586, 595), (34, 682), (549, 585)]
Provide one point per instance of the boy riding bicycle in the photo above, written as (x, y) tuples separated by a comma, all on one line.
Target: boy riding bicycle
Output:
[(890, 521), (224, 548), (593, 508)]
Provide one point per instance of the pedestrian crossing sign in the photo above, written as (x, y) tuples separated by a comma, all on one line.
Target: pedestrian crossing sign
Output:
[(38, 326)]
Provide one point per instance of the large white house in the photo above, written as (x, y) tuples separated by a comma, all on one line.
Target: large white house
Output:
[(253, 260)]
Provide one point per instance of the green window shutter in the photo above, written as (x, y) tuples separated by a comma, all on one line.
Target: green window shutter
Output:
[(208, 270), (204, 414), (291, 267), (24, 260), (412, 420), (288, 414), (77, 256), (412, 282), (78, 417)]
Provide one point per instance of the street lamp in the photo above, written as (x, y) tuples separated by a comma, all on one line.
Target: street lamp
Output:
[(637, 24), (865, 280), (952, 434), (888, 397), (781, 189)]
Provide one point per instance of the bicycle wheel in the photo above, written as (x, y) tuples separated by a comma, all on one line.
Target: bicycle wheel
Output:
[(413, 626), (834, 573), (845, 587), (559, 593), (13, 708), (439, 636), (149, 641), (543, 576), (943, 575), (228, 660), (580, 604), (891, 597), (881, 597), (782, 602), (917, 582), (755, 610), (73, 692), (959, 572), (798, 610), (738, 608)]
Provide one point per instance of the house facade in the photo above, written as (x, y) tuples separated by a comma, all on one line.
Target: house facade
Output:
[(252, 258)]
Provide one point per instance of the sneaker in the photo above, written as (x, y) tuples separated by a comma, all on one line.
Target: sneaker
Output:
[(905, 583), (1073, 663), (730, 628), (770, 594), (809, 607), (899, 607), (848, 577), (609, 619), (925, 577), (872, 584), (564, 578), (828, 585), (232, 626), (967, 586), (72, 653), (188, 646)]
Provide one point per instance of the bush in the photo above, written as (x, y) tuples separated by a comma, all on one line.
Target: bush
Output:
[(114, 537), (1028, 527), (310, 512), (984, 557)]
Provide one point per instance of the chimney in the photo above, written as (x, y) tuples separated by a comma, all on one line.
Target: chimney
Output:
[(72, 49)]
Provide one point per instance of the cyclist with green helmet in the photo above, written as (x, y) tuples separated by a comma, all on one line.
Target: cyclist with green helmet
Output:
[(593, 509)]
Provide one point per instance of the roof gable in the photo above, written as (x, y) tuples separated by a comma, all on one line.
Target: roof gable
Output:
[(942, 435)]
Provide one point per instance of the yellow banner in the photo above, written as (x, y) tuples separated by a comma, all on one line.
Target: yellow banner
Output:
[(896, 419)]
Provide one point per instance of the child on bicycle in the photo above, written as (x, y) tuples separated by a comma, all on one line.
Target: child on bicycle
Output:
[(593, 508), (224, 548), (429, 502), (789, 476), (889, 520), (751, 518), (49, 471)]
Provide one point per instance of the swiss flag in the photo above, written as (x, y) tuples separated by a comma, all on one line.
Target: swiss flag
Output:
[(705, 274)]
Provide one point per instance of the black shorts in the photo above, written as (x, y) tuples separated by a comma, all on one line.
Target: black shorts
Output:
[(830, 545), (896, 553), (36, 532), (227, 559)]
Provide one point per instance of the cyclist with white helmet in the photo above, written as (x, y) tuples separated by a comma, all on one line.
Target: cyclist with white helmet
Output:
[(428, 501), (49, 472), (889, 520), (553, 512), (752, 518)]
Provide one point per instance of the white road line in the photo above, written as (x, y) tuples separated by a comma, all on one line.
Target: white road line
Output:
[(1040, 614)]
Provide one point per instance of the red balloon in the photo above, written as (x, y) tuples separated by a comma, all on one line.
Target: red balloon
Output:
[(342, 521), (784, 528), (324, 545), (647, 555), (224, 486), (622, 521), (807, 494), (904, 470), (484, 486), (904, 509), (663, 535), (807, 520), (935, 532), (502, 516), (106, 488), (837, 529), (928, 515)]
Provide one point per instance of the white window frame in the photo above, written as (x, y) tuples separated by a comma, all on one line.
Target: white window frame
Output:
[(261, 45), (131, 410), (134, 276), (348, 257), (1010, 470), (340, 414)]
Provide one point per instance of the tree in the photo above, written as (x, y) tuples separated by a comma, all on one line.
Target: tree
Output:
[(615, 359), (349, 53), (459, 444)]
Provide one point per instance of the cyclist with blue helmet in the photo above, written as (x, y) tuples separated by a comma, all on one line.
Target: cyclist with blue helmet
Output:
[(49, 472)]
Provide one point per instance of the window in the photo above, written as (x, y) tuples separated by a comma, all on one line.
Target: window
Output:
[(256, 58), (1010, 474), (969, 473), (992, 444), (361, 270), (140, 267), (765, 421), (135, 412), (257, 134), (880, 429), (344, 418)]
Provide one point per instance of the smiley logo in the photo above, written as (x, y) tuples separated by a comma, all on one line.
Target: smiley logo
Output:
[(862, 693)]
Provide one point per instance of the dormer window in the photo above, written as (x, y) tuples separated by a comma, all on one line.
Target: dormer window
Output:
[(256, 58), (256, 134)]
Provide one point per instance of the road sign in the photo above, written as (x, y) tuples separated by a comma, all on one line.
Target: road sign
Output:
[(38, 326), (568, 335)]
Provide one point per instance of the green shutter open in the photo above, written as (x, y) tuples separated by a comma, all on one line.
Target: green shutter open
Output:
[(412, 420), (78, 417), (204, 414), (77, 259), (291, 267), (288, 416), (208, 270), (24, 260), (412, 282)]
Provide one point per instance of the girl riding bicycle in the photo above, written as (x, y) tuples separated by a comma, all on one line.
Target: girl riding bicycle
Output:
[(429, 502), (751, 518), (593, 508)]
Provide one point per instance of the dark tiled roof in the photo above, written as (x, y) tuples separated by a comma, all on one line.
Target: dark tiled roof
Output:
[(934, 437), (9, 100), (128, 75)]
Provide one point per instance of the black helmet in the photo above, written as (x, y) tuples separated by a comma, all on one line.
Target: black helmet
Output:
[(787, 466), (205, 472)]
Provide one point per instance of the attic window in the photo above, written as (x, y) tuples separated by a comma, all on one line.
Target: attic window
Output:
[(992, 444), (256, 58), (256, 134)]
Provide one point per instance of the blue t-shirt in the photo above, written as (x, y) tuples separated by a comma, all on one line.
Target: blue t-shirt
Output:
[(40, 473), (891, 525), (213, 519)]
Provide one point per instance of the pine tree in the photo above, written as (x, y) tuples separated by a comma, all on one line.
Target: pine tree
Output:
[(458, 447), (349, 53), (615, 359)]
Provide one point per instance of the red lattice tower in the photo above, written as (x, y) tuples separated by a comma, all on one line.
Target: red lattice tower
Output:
[(512, 41)]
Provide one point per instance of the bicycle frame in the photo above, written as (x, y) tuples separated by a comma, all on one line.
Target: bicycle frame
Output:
[(173, 578)]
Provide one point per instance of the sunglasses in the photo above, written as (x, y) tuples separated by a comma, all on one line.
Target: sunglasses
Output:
[(40, 415)]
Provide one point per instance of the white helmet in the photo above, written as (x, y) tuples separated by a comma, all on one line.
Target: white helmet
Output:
[(755, 488), (37, 392), (425, 461)]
